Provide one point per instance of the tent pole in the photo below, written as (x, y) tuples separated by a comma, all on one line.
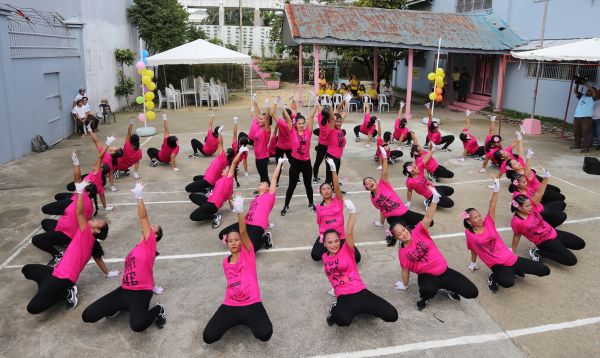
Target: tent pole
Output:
[(562, 132)]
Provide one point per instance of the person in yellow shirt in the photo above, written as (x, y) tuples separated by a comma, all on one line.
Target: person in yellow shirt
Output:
[(322, 80), (372, 92), (329, 90), (455, 81), (342, 89), (321, 90), (354, 84), (361, 91)]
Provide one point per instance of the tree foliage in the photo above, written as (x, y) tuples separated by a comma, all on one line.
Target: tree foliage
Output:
[(232, 17), (126, 86)]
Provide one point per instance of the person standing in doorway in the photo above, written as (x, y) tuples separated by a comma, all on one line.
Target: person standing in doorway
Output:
[(582, 120), (463, 84), (455, 74)]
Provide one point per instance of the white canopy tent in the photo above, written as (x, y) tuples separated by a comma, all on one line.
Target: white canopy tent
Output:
[(584, 50), (198, 52)]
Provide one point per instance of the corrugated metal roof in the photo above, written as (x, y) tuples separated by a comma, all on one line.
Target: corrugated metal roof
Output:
[(374, 27)]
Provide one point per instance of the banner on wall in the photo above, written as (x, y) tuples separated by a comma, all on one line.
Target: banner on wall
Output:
[(416, 73)]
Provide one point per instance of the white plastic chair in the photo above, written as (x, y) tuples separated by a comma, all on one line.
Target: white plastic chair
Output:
[(367, 99), (215, 96), (311, 99), (337, 99), (325, 100), (161, 99), (188, 90), (172, 97), (224, 90), (350, 104), (176, 93), (382, 99)]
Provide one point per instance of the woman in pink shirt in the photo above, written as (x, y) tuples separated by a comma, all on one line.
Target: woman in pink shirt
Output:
[(433, 132), (204, 182), (136, 288), (552, 244), (322, 132), (237, 142), (401, 131), (257, 217), (336, 142), (283, 145), (384, 142), (418, 253), (58, 284), (301, 133), (132, 154), (470, 146), (168, 151), (417, 182), (330, 215), (242, 304), (367, 127), (109, 160), (553, 212), (352, 295), (211, 140), (221, 192), (492, 143), (425, 161), (484, 241), (260, 137)]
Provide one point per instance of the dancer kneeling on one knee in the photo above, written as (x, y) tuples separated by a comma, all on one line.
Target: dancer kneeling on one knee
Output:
[(257, 217), (58, 283), (168, 151), (137, 286), (552, 244), (426, 161), (209, 206), (242, 304), (484, 241), (416, 181), (353, 298), (418, 253)]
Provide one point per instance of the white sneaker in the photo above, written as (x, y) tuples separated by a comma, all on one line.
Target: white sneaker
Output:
[(368, 146), (136, 175), (379, 167), (109, 208), (482, 170), (245, 174), (331, 292), (113, 188), (271, 225), (378, 223)]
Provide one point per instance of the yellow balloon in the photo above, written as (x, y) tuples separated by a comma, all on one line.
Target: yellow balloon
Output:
[(151, 86), (149, 105), (140, 72), (432, 97), (149, 73), (146, 80), (431, 76), (149, 96), (439, 71), (150, 115)]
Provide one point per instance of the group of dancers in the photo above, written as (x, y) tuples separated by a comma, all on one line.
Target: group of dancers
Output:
[(286, 134)]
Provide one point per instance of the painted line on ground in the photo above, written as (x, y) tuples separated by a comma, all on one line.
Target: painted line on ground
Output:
[(146, 141), (22, 244), (464, 340), (576, 186), (296, 248)]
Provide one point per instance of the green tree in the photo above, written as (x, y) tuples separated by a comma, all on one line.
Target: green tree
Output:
[(232, 17), (126, 85)]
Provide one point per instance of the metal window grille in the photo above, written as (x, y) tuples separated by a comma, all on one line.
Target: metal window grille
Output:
[(562, 72), (465, 6)]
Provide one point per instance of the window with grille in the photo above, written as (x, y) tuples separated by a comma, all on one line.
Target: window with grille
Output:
[(560, 72), (464, 6)]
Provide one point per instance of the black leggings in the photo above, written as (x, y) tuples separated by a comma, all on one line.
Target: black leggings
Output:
[(357, 131), (363, 301), (63, 196), (280, 152), (153, 153), (197, 146), (451, 280), (58, 207), (198, 184), (445, 201), (262, 167), (480, 152), (226, 317), (446, 141), (442, 172), (505, 275), (256, 234), (328, 176), (319, 249), (553, 213), (206, 210), (297, 167), (47, 240), (396, 154), (321, 150), (134, 302), (552, 194), (410, 218), (558, 249), (51, 290)]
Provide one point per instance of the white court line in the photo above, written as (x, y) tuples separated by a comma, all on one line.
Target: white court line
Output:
[(464, 340), (575, 185), (146, 141), (21, 245), (302, 248)]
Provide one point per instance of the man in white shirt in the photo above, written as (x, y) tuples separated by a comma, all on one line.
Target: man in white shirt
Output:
[(89, 114), (388, 92), (79, 96)]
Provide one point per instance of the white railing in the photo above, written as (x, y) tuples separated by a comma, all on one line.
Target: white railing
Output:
[(27, 40), (260, 4)]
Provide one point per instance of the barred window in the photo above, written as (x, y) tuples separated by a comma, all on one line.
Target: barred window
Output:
[(464, 6), (562, 72)]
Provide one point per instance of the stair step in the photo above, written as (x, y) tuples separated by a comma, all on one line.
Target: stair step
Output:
[(480, 97), (466, 105), (477, 102)]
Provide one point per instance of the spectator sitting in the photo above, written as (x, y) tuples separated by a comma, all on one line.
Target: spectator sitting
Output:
[(329, 90), (91, 118), (388, 92), (354, 84), (342, 89), (321, 90), (79, 96), (372, 92), (361, 91), (79, 112), (322, 80)]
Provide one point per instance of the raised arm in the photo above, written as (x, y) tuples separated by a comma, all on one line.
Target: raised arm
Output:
[(528, 163), (81, 220), (76, 168), (415, 141), (492, 205), (467, 119), (101, 153), (235, 161), (165, 124), (141, 208), (336, 184), (428, 219), (287, 118), (378, 128), (384, 164), (351, 221), (400, 110), (95, 140), (130, 128), (220, 140), (429, 154), (210, 121), (238, 207), (492, 129), (315, 113), (539, 193), (276, 173)]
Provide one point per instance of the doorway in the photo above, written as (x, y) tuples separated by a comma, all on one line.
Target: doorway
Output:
[(52, 108), (484, 67)]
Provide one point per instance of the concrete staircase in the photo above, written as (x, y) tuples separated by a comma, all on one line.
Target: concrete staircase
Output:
[(475, 102)]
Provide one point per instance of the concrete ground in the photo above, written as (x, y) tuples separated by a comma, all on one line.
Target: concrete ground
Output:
[(555, 316)]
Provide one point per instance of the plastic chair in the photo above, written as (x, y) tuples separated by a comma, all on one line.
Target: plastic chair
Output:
[(215, 96), (106, 111), (337, 99), (172, 98), (367, 99), (325, 100), (176, 93), (311, 99), (188, 90), (161, 99), (382, 99)]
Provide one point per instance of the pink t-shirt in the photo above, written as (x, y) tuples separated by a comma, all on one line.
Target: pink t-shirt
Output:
[(430, 166), (260, 209), (532, 184), (419, 185), (211, 143), (490, 153), (342, 272), (331, 216), (398, 131), (236, 147), (138, 271), (534, 228), (96, 179), (381, 143), (470, 144), (364, 129), (77, 254), (283, 135), (508, 151), (261, 140), (489, 245), (323, 131), (387, 201), (107, 159), (242, 280), (422, 255), (222, 191), (130, 156), (68, 223), (435, 136), (215, 168), (336, 143), (164, 154), (273, 146), (301, 144)]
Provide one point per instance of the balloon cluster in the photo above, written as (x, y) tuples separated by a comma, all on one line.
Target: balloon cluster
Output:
[(147, 87), (437, 78)]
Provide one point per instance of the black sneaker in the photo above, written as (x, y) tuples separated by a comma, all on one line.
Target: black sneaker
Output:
[(316, 180), (194, 155), (72, 298), (432, 178), (125, 173), (268, 239), (421, 304), (216, 221), (285, 210), (161, 319), (453, 295), (344, 192), (330, 320), (520, 275), (312, 208), (154, 163), (116, 174), (492, 286), (55, 259), (535, 256), (446, 150)]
